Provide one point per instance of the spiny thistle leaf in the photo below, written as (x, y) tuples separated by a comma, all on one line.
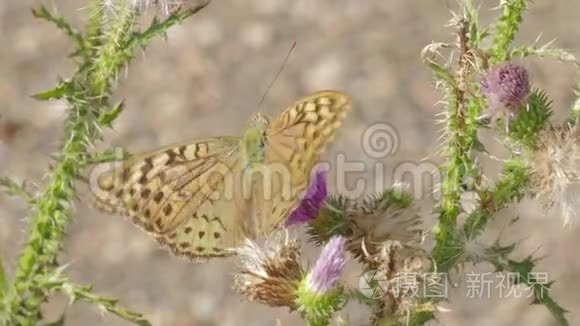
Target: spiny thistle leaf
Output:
[(108, 117), (58, 92), (524, 270), (14, 189), (545, 51), (110, 155), (555, 309), (63, 25), (159, 27)]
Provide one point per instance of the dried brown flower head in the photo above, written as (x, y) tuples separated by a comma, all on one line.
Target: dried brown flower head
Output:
[(374, 222), (555, 171), (270, 273)]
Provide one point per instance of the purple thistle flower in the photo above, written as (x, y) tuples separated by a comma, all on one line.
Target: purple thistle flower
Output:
[(506, 87), (326, 272), (312, 201)]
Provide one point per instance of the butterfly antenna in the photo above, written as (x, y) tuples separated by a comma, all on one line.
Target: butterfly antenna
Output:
[(277, 74)]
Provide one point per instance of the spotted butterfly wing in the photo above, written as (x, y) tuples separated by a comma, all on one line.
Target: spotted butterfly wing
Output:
[(294, 142)]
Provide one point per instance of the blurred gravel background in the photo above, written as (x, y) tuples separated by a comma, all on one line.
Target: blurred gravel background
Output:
[(207, 79)]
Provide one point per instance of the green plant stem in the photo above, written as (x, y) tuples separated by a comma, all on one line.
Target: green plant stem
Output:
[(461, 131), (505, 29), (110, 54), (47, 225), (84, 293), (509, 188), (94, 26)]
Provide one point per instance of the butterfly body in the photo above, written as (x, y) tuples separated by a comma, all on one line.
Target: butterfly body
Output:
[(253, 142), (201, 199)]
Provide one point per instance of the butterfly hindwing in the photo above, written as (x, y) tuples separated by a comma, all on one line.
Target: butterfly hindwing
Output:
[(213, 227)]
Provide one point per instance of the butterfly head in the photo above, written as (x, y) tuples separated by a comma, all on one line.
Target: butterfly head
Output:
[(260, 122)]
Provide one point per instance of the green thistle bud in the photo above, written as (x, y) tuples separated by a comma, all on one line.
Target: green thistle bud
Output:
[(528, 124)]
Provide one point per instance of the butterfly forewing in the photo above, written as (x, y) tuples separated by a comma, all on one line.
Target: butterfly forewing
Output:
[(150, 188), (294, 142), (303, 130)]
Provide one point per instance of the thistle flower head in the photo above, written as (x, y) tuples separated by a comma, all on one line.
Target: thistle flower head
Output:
[(388, 216), (326, 272), (506, 87), (312, 201), (319, 294), (270, 274), (555, 171)]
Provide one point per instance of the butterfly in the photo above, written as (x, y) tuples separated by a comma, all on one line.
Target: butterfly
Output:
[(202, 198)]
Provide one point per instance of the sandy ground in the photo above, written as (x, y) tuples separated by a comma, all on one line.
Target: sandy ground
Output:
[(207, 79)]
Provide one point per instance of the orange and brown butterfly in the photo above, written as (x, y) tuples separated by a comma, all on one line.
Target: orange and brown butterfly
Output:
[(203, 198)]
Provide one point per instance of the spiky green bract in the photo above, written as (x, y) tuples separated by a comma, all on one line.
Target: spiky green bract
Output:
[(525, 128), (318, 309), (377, 215), (333, 219), (505, 28), (394, 196)]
